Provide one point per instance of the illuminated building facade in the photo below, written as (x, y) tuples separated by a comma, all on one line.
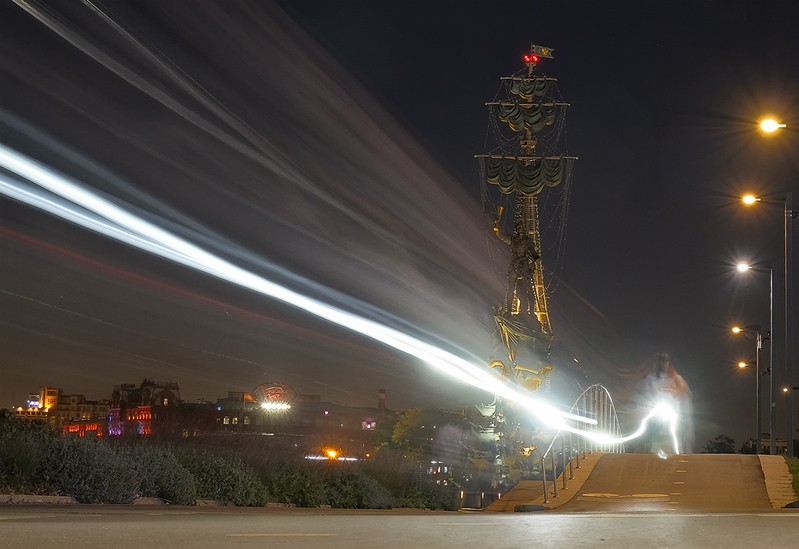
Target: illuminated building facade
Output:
[(136, 410), (154, 408), (53, 406)]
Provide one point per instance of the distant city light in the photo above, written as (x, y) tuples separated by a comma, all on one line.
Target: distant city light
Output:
[(275, 406), (325, 458)]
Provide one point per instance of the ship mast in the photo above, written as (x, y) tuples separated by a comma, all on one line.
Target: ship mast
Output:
[(529, 213), (522, 168), (522, 162)]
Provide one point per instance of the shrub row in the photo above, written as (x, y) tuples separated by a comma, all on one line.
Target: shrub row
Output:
[(33, 459)]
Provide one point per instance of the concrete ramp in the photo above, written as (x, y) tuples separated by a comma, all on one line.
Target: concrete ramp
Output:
[(690, 482), (685, 483)]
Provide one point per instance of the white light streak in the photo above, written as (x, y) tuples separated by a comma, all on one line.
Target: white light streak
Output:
[(101, 215)]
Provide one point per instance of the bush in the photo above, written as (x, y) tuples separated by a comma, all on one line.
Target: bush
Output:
[(350, 490), (161, 475), (92, 472), (24, 448), (431, 496), (226, 480), (793, 467), (297, 485)]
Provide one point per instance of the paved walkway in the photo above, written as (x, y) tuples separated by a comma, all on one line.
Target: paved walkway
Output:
[(700, 481), (530, 492), (779, 481)]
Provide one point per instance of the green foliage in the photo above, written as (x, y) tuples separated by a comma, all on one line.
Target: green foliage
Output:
[(720, 445), (298, 485), (35, 459), (392, 470), (417, 430), (24, 447), (793, 467), (161, 475), (227, 480), (353, 490), (430, 496), (92, 472)]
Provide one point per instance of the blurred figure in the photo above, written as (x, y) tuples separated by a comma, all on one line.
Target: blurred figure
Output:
[(663, 383)]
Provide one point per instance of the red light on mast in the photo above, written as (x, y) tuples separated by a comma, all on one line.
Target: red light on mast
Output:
[(530, 58)]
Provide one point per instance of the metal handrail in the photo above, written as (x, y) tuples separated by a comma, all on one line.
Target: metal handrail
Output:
[(606, 415)]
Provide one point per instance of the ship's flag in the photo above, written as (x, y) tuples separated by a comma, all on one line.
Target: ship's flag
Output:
[(543, 51)]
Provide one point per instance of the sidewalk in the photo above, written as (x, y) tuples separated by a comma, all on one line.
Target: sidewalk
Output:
[(530, 493), (778, 479)]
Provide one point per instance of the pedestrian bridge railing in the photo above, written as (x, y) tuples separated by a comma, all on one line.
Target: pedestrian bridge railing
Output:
[(566, 447)]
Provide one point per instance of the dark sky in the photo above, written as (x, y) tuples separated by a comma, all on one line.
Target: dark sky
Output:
[(338, 145)]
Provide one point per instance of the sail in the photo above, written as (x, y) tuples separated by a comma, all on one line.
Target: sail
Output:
[(521, 116), (529, 176), (529, 88)]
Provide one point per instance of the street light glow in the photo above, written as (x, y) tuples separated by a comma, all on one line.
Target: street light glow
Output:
[(769, 125), (737, 329), (749, 199), (742, 365), (742, 267)]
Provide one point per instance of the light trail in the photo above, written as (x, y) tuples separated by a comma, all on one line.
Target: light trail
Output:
[(81, 206)]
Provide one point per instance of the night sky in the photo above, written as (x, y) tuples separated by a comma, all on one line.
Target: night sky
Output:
[(330, 146)]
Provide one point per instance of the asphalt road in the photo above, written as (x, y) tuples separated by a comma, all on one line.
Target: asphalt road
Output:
[(198, 528)]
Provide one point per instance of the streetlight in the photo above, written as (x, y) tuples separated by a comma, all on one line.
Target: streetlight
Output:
[(772, 405), (789, 215), (769, 125), (759, 345)]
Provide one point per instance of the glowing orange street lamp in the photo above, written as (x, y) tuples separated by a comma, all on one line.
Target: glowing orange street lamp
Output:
[(749, 199), (769, 125)]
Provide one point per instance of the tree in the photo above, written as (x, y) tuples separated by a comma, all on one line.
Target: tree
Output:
[(720, 445)]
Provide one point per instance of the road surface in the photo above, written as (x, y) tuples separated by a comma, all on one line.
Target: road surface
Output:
[(122, 527)]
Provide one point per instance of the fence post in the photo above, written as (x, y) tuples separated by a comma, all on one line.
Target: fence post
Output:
[(554, 477), (563, 459), (544, 475)]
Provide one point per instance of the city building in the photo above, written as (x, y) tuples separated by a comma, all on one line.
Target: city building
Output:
[(53, 406)]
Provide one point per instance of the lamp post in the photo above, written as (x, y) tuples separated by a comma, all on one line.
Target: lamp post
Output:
[(772, 400), (770, 126), (788, 217), (758, 347)]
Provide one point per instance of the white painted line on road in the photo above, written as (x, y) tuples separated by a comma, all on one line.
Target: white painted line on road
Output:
[(682, 461), (678, 482), (465, 523), (278, 535), (675, 493), (680, 471)]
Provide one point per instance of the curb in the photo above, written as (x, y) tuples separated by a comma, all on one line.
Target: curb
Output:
[(22, 499)]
